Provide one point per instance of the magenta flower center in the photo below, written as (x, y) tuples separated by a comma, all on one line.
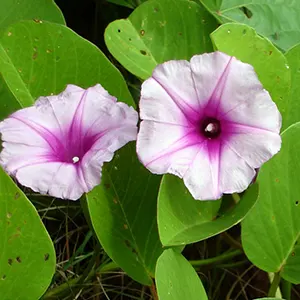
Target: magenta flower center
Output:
[(210, 128), (73, 148)]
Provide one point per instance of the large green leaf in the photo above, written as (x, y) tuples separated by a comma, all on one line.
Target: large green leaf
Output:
[(123, 214), (127, 3), (42, 58), (183, 220), (8, 103), (269, 63), (277, 20), (158, 31), (13, 11), (272, 229), (176, 279), (293, 113), (27, 256)]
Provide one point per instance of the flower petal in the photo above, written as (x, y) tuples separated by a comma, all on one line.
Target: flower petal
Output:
[(235, 173), (90, 168), (57, 179), (165, 148), (254, 145), (202, 175), (175, 77), (245, 101), (116, 124), (157, 105), (209, 71)]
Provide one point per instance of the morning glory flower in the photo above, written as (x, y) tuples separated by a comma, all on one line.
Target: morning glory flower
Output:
[(208, 121), (59, 145)]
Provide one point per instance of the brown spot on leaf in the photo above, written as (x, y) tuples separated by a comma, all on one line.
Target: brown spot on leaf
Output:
[(125, 226), (8, 215), (18, 259), (9, 33), (46, 256), (270, 52), (38, 21), (115, 201), (142, 32), (127, 243), (107, 185), (293, 253), (10, 261), (17, 195), (277, 180), (143, 52), (3, 277), (14, 236), (34, 56)]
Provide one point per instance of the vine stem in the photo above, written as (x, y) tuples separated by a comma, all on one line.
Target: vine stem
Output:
[(153, 291), (274, 285)]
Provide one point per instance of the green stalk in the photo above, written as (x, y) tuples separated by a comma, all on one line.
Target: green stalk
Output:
[(286, 289), (274, 285), (217, 259)]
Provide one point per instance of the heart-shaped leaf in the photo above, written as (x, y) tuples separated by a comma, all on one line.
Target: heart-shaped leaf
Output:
[(270, 233), (27, 259), (123, 214), (176, 279), (13, 11), (293, 113), (39, 59), (158, 31), (183, 220), (275, 19)]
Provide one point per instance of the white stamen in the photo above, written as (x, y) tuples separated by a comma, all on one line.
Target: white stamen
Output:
[(75, 159), (210, 127)]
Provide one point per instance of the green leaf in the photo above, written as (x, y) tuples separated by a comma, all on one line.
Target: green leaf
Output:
[(271, 230), (13, 11), (176, 279), (127, 3), (8, 103), (27, 260), (269, 63), (275, 19), (183, 220), (123, 214), (293, 58), (158, 31), (39, 59)]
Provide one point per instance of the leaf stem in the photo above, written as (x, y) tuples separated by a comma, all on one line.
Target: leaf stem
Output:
[(225, 256), (274, 285), (286, 289)]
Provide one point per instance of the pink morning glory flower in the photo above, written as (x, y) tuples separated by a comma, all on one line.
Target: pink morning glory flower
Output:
[(59, 145), (208, 121)]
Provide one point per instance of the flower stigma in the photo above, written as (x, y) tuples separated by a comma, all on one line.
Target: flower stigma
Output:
[(211, 128), (75, 159)]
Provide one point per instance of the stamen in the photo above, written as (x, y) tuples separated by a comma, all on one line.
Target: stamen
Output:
[(211, 128), (75, 159)]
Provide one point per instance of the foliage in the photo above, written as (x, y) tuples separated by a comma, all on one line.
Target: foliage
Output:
[(169, 245)]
